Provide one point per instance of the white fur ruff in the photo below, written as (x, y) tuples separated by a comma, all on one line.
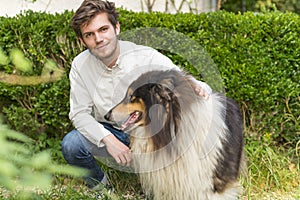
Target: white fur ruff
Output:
[(189, 173)]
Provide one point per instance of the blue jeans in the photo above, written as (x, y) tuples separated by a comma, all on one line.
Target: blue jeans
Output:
[(80, 152)]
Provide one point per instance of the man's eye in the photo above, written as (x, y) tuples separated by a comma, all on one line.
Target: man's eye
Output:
[(104, 29), (87, 35)]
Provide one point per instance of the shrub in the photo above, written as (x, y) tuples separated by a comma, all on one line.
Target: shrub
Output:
[(22, 169), (257, 56)]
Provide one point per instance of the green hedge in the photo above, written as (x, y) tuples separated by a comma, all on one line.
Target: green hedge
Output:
[(258, 58)]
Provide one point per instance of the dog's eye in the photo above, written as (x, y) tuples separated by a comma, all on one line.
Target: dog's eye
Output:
[(132, 99)]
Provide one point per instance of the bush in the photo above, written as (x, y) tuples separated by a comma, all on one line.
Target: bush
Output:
[(40, 108), (23, 169), (257, 57)]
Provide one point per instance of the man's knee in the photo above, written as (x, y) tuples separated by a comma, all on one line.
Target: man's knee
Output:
[(71, 145)]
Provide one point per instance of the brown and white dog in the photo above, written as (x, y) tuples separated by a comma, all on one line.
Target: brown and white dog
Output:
[(184, 146)]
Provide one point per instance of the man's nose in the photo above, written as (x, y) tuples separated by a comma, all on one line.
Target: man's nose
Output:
[(98, 37)]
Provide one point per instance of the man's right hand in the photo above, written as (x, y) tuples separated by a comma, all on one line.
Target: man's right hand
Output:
[(120, 152)]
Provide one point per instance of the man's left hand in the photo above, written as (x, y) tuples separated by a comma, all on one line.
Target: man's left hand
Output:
[(200, 91)]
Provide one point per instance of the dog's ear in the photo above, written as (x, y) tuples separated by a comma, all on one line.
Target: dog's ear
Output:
[(163, 92), (168, 82)]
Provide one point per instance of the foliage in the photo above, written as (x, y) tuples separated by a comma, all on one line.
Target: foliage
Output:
[(22, 169), (282, 5), (273, 172), (26, 106), (259, 61), (257, 56), (261, 5)]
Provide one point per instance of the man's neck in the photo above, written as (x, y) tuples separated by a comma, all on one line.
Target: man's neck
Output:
[(112, 64), (115, 57)]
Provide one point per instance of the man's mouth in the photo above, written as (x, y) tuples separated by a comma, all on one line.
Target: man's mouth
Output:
[(132, 119), (101, 46)]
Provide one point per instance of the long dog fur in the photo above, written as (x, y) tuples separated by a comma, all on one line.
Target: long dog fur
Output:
[(184, 147)]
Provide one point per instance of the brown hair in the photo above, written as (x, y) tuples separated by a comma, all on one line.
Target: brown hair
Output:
[(89, 9)]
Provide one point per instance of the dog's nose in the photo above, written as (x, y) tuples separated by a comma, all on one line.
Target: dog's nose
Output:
[(108, 116)]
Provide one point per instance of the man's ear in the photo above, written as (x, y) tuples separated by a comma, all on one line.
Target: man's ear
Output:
[(117, 29), (82, 42)]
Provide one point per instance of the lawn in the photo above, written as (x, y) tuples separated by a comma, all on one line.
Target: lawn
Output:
[(272, 173)]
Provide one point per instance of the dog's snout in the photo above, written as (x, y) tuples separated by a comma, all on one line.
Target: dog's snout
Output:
[(108, 116)]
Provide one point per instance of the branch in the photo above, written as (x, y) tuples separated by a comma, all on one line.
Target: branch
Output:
[(13, 79)]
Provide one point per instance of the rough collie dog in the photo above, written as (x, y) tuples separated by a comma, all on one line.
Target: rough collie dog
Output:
[(184, 146)]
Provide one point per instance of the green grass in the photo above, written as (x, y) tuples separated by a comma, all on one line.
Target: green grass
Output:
[(272, 173)]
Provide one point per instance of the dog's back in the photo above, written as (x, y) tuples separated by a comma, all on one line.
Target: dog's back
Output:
[(232, 159)]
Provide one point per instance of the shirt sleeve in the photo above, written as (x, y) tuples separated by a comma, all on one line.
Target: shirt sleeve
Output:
[(81, 107)]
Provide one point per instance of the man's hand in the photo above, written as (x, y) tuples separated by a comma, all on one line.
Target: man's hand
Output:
[(200, 91), (120, 152)]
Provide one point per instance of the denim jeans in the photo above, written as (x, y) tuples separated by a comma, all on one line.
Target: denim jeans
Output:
[(80, 152)]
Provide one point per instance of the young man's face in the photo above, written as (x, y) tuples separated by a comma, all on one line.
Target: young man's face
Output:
[(100, 37)]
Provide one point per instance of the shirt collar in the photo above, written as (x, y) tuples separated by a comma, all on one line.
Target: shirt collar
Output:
[(117, 65)]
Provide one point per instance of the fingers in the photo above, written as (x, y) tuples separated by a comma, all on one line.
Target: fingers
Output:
[(124, 158), (120, 152), (201, 92)]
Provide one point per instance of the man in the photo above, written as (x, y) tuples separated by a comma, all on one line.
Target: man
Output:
[(99, 78)]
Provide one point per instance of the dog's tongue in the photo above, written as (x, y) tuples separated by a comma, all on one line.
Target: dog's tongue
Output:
[(131, 119)]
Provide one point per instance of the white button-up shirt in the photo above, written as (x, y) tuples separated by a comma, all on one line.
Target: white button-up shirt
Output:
[(95, 88)]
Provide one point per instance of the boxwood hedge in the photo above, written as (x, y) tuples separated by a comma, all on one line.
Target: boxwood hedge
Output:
[(257, 56)]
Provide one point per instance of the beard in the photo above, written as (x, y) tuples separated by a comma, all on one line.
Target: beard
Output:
[(106, 52)]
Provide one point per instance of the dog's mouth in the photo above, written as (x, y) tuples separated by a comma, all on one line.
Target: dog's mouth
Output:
[(133, 118)]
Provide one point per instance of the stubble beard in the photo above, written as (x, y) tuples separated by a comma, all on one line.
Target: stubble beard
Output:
[(108, 54)]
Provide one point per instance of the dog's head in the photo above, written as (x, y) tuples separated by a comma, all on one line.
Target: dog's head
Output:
[(152, 101), (132, 110), (151, 95)]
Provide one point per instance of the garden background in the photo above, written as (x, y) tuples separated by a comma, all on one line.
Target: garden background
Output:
[(257, 55)]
